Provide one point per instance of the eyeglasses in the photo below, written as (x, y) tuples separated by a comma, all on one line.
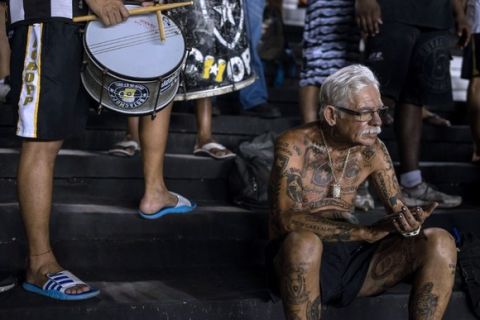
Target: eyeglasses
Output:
[(366, 115)]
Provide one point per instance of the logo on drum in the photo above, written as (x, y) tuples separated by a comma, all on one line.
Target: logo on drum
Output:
[(128, 95)]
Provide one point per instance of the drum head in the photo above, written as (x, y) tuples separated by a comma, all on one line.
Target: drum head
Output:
[(133, 50)]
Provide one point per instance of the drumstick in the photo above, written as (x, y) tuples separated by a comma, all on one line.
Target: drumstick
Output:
[(142, 10), (160, 25)]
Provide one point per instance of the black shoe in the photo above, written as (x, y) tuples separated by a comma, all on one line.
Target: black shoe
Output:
[(264, 110), (7, 283)]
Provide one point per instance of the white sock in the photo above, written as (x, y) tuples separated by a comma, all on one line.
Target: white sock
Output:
[(411, 178)]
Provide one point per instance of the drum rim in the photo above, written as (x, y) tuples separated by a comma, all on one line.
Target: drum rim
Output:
[(135, 79), (155, 110)]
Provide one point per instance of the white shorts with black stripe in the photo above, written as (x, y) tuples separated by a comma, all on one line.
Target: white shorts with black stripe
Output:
[(45, 77)]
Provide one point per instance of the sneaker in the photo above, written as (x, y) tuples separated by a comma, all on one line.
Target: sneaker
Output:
[(363, 199), (264, 110), (424, 194), (4, 90), (7, 283)]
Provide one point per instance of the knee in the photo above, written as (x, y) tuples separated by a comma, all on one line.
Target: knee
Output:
[(302, 247), (440, 243)]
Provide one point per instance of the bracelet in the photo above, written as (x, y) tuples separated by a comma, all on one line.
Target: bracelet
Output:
[(412, 233)]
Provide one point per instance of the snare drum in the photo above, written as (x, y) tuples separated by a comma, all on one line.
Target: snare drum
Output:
[(128, 69), (218, 59)]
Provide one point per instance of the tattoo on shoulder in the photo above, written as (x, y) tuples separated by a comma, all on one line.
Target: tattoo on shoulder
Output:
[(281, 162), (368, 153)]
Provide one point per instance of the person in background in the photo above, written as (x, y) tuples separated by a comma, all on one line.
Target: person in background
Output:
[(471, 72), (4, 54), (408, 49)]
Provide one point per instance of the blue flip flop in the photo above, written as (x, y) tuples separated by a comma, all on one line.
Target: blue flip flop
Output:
[(183, 206), (57, 284)]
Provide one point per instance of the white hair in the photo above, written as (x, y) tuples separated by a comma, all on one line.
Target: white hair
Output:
[(339, 88)]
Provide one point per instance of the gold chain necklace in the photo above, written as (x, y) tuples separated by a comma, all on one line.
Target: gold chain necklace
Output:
[(336, 187)]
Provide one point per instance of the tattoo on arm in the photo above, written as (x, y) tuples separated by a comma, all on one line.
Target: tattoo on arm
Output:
[(294, 185), (326, 229), (387, 187)]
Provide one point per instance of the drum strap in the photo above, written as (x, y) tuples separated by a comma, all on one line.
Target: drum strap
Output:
[(104, 76), (159, 88)]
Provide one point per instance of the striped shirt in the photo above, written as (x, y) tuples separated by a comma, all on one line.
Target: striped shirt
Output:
[(32, 11)]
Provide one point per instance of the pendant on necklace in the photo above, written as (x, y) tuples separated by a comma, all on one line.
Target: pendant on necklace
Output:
[(336, 190)]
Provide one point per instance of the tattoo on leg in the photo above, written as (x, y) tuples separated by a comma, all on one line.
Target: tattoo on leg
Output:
[(295, 286), (452, 267), (394, 260), (314, 309), (424, 303)]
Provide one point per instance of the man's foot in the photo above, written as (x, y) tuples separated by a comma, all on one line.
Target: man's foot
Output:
[(363, 199), (45, 263), (264, 110), (434, 119), (58, 286), (424, 194), (214, 150)]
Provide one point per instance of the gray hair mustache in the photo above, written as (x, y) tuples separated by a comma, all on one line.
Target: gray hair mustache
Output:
[(372, 130)]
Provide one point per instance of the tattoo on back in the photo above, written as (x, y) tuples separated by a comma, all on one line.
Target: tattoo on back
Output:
[(424, 303)]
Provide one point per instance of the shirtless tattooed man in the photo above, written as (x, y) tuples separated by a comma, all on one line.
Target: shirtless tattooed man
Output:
[(319, 253)]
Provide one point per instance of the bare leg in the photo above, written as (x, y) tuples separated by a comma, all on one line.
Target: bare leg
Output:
[(430, 258), (204, 126), (132, 133), (4, 46), (309, 103), (204, 120), (153, 140), (408, 128), (473, 103), (298, 265), (35, 185)]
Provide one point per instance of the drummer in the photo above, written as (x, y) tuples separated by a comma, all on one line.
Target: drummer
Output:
[(46, 87)]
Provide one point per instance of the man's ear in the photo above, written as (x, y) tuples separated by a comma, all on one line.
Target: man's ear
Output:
[(330, 115)]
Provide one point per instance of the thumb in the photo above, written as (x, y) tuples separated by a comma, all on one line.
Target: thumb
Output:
[(429, 209)]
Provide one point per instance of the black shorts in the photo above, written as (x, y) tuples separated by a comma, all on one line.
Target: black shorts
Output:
[(342, 272), (471, 58), (412, 64), (45, 80)]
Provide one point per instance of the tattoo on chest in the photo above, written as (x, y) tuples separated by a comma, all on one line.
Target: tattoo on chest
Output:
[(339, 203)]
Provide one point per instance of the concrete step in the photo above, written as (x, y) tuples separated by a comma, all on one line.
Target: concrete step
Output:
[(200, 294)]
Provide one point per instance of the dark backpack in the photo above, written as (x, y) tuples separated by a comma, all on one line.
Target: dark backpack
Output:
[(250, 175), (469, 261)]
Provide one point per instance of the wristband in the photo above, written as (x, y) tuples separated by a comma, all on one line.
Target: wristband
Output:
[(412, 233)]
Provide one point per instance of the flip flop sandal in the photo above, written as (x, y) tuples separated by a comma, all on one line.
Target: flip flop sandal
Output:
[(57, 284), (183, 206), (207, 150), (125, 148)]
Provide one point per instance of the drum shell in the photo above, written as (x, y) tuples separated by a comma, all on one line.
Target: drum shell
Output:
[(218, 56), (127, 93), (107, 89)]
